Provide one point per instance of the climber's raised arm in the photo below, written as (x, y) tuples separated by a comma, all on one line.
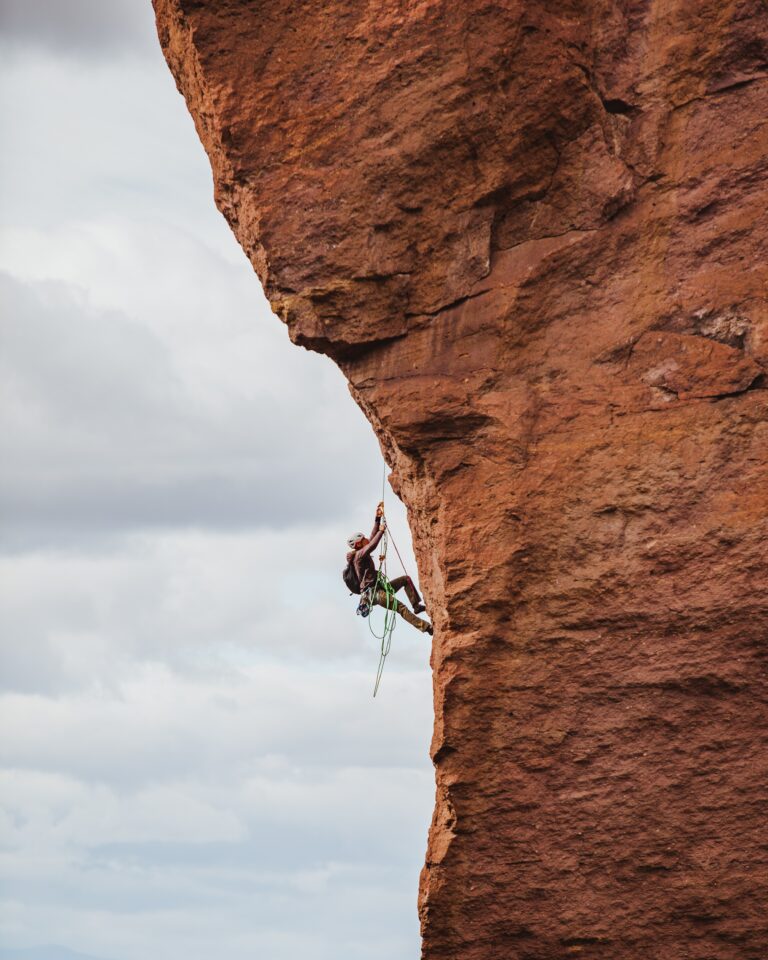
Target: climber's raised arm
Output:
[(379, 526), (377, 519)]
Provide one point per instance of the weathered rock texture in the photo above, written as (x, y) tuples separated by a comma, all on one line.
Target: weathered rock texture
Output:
[(533, 234)]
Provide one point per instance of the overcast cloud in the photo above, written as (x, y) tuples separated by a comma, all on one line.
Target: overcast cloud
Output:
[(78, 28), (192, 764)]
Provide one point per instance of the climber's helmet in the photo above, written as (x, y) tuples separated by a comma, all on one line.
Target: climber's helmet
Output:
[(354, 541)]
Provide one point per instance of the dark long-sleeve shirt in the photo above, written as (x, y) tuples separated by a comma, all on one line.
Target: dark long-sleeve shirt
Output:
[(362, 559)]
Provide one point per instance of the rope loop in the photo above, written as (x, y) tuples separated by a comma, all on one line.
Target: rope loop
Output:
[(390, 608)]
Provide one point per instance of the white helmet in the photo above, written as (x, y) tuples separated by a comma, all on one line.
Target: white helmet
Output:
[(354, 539)]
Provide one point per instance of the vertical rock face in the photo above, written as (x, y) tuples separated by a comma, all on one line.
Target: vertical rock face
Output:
[(534, 235)]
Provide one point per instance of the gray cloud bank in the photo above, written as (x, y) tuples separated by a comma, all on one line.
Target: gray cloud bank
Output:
[(99, 433), (93, 28)]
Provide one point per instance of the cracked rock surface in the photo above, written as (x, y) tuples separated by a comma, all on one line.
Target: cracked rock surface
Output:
[(534, 236)]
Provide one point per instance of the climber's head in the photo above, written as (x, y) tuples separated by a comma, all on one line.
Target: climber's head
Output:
[(357, 541)]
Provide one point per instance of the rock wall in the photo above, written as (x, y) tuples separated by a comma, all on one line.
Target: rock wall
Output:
[(533, 234)]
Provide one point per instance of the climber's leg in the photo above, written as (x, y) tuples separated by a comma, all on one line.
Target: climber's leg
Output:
[(410, 591), (400, 608)]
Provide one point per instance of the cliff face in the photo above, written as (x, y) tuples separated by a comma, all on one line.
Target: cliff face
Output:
[(534, 235)]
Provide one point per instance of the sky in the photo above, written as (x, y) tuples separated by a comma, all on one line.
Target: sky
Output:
[(192, 764)]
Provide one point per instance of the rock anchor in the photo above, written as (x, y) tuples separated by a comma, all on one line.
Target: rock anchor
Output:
[(533, 235)]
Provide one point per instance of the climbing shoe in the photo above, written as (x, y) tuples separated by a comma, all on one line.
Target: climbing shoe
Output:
[(419, 608), (429, 630)]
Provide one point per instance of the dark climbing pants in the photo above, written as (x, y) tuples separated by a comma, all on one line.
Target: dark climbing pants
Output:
[(413, 597)]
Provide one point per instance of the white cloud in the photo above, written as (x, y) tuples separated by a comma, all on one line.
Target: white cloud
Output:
[(240, 804), (159, 726), (91, 141)]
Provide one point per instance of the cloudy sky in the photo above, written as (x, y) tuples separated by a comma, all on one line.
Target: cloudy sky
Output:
[(192, 764)]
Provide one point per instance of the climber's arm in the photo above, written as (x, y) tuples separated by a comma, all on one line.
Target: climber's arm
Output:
[(377, 533), (377, 521)]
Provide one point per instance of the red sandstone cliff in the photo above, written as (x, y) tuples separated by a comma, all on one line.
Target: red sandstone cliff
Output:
[(534, 236)]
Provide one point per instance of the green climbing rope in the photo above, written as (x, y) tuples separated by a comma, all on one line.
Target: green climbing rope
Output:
[(390, 609), (382, 583), (390, 604)]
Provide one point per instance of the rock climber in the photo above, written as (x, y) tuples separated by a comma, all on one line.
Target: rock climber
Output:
[(360, 577)]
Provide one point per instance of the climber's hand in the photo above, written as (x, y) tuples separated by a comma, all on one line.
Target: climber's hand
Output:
[(380, 509)]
